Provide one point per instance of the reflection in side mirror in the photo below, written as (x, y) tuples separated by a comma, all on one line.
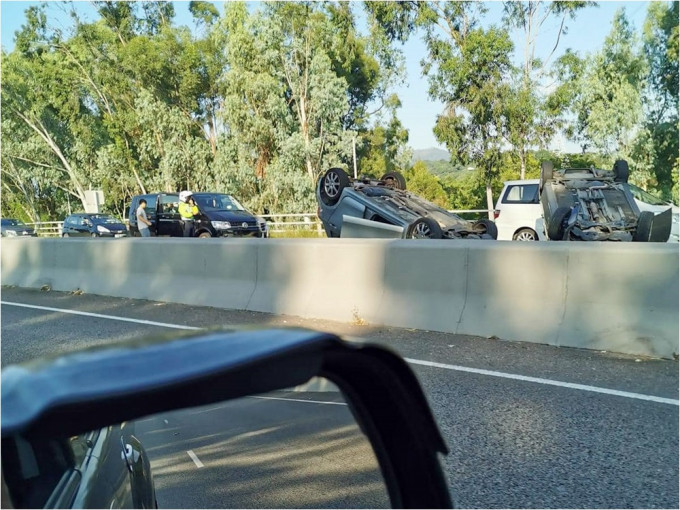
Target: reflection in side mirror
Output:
[(177, 395)]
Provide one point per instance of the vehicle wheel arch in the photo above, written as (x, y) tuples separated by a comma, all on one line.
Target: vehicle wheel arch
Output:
[(516, 233)]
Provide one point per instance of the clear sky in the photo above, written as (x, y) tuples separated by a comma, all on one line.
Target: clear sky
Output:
[(418, 113)]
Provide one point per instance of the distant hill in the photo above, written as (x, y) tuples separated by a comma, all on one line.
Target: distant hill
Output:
[(431, 154)]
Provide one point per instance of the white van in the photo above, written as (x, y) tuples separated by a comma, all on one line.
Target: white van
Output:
[(518, 213)]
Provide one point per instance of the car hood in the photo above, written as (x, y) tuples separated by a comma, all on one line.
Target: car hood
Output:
[(656, 209), (18, 229), (111, 226), (232, 216)]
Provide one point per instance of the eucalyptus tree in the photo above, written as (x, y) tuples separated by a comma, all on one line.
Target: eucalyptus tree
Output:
[(608, 104), (533, 117)]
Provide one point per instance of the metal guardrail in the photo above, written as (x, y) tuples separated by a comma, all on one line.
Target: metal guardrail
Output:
[(289, 222), (47, 228), (278, 223)]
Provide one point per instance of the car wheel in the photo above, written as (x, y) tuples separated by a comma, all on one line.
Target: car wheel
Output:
[(332, 184), (394, 179), (621, 171), (558, 223), (643, 232), (546, 172), (525, 234), (489, 227), (93, 234), (204, 235), (424, 228), (64, 235)]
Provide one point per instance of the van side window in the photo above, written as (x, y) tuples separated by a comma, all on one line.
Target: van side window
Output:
[(150, 205), (521, 194), (169, 203)]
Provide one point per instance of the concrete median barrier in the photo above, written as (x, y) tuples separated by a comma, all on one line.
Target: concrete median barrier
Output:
[(515, 290), (620, 297)]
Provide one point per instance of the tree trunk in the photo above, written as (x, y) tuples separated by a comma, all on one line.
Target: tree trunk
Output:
[(489, 200), (42, 131), (523, 164)]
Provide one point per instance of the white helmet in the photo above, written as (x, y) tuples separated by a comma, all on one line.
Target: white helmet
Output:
[(184, 195)]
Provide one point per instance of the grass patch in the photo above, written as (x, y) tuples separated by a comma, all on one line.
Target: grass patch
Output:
[(292, 234)]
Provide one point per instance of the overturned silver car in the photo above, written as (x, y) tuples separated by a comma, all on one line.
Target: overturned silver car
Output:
[(367, 207), (590, 204)]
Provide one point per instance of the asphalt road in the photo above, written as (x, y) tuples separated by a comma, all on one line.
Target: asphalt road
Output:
[(541, 442)]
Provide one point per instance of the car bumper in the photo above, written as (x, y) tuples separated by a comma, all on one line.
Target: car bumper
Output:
[(113, 234), (241, 232)]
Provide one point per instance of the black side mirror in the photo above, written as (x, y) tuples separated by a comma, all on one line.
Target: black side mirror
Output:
[(91, 389)]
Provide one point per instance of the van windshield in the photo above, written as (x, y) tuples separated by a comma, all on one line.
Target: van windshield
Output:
[(217, 202), (644, 196)]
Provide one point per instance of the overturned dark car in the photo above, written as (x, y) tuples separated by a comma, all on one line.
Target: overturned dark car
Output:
[(367, 207), (590, 204)]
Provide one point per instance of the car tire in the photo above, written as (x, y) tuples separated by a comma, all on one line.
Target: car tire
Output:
[(621, 171), (558, 223), (525, 234), (204, 235), (546, 172), (424, 228), (489, 226), (394, 179), (93, 235), (643, 232), (332, 183)]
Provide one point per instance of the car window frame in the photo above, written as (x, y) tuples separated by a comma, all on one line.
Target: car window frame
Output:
[(509, 187)]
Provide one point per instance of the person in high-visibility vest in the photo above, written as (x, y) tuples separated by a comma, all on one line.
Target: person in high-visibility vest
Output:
[(187, 212)]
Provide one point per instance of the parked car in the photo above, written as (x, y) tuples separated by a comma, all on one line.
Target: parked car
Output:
[(15, 228), (518, 214), (221, 215), (93, 225), (375, 203), (648, 202), (97, 469), (590, 204)]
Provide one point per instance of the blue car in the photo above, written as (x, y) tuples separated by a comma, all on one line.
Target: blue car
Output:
[(93, 225)]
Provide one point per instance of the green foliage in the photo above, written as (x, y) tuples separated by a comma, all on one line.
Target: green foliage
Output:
[(258, 104), (423, 183), (258, 101), (609, 101)]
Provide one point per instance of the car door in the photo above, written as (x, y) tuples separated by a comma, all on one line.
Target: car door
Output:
[(167, 215), (47, 476), (83, 226), (519, 208)]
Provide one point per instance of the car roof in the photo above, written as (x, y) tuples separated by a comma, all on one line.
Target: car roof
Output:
[(525, 181)]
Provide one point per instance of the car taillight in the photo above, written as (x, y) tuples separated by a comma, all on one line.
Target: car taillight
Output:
[(496, 214)]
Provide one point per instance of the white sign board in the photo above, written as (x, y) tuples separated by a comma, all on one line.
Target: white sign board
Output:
[(94, 200)]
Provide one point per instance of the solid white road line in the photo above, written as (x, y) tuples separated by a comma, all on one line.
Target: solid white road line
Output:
[(196, 460), (549, 382), (101, 316), (458, 368), (302, 400)]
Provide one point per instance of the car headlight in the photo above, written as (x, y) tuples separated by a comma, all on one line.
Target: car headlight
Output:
[(220, 225), (102, 229), (11, 233)]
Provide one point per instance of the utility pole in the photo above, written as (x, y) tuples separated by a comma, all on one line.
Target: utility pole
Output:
[(354, 151)]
